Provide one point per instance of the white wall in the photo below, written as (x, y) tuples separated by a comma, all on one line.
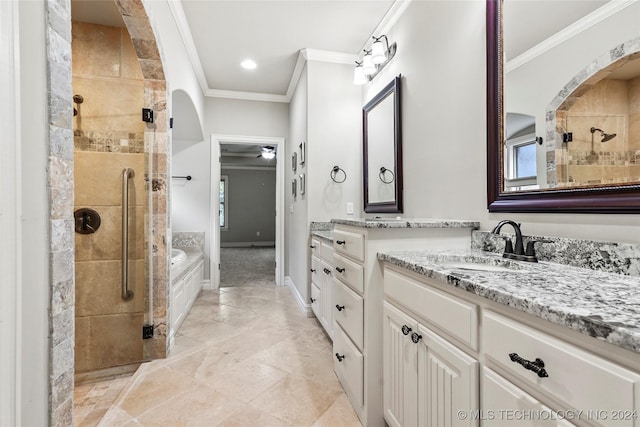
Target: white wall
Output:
[(334, 138), (179, 72), (444, 124), (297, 226), (325, 113), (190, 203)]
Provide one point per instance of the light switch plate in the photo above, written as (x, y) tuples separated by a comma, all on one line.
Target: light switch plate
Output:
[(350, 208)]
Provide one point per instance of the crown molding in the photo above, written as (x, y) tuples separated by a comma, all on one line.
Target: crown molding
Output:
[(247, 96), (390, 18), (185, 33), (570, 31)]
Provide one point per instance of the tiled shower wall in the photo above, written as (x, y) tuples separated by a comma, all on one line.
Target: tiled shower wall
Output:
[(60, 188), (108, 137)]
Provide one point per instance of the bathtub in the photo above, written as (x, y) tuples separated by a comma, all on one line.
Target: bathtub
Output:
[(177, 256)]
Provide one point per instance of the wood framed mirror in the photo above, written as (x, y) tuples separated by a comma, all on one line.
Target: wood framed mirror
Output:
[(382, 150), (609, 195)]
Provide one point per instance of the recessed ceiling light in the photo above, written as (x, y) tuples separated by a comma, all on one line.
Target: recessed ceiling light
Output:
[(248, 64)]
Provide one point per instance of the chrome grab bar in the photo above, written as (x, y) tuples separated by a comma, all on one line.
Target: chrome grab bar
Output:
[(126, 175)]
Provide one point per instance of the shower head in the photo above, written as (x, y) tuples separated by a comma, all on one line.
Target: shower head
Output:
[(605, 136)]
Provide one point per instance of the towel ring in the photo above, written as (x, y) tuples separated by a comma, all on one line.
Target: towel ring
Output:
[(382, 175), (334, 174)]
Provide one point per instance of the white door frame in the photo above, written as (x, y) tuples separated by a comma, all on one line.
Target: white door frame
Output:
[(10, 213), (214, 244)]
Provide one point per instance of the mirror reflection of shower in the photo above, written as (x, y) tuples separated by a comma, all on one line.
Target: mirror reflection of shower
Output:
[(593, 156)]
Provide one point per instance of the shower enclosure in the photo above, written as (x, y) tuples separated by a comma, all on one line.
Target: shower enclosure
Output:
[(112, 265)]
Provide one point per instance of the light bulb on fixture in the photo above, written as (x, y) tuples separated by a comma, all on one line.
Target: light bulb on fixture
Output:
[(358, 75), (269, 155), (367, 64), (378, 51)]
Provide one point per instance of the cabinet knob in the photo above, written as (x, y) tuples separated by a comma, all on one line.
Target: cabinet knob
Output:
[(326, 271), (340, 357), (313, 270), (313, 300), (406, 329), (416, 337), (340, 269), (312, 247), (340, 242), (340, 307), (536, 366)]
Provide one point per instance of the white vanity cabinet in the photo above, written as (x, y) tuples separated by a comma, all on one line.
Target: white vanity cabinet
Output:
[(321, 273), (427, 379), (495, 365), (358, 305)]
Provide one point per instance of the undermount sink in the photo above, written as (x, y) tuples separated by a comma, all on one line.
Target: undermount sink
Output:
[(478, 266)]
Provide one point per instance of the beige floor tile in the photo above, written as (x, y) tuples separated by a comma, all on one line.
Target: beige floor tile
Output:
[(251, 416), (296, 400), (244, 356), (246, 380), (162, 386), (200, 406), (341, 414)]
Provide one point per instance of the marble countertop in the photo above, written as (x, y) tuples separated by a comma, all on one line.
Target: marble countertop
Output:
[(179, 270), (323, 234), (602, 305), (406, 223)]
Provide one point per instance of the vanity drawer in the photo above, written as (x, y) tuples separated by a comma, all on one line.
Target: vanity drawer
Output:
[(349, 272), (349, 366), (315, 300), (347, 309), (348, 243), (576, 377), (326, 252), (315, 268), (315, 247), (454, 316)]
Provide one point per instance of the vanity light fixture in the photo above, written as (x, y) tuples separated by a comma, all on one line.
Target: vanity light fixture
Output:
[(374, 59), (358, 74)]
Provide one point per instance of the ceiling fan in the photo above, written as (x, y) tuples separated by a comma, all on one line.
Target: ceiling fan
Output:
[(268, 152)]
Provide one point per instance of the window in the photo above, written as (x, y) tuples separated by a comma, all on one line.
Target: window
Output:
[(224, 189), (520, 163)]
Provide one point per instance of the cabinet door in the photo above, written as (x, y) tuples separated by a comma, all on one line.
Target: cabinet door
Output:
[(316, 300), (447, 382), (327, 311), (400, 372), (504, 403)]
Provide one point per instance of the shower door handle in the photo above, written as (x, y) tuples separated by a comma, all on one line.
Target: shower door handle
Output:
[(127, 174)]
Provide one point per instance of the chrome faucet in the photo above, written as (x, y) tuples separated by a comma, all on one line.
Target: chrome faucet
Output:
[(509, 251), (518, 253)]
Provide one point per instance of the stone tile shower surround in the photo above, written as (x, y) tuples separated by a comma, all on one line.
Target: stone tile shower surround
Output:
[(611, 257), (60, 187), (106, 75)]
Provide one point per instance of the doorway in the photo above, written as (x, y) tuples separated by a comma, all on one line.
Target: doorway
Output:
[(250, 155)]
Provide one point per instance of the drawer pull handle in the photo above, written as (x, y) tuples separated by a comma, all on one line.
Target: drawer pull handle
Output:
[(536, 366), (406, 329), (416, 337), (340, 269), (340, 307), (339, 357), (313, 300), (313, 270), (341, 242), (326, 271), (312, 247)]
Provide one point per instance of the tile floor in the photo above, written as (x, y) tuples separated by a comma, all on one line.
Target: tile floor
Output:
[(245, 356)]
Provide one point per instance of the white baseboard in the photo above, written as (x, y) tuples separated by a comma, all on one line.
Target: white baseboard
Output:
[(305, 307), (207, 285), (247, 244)]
